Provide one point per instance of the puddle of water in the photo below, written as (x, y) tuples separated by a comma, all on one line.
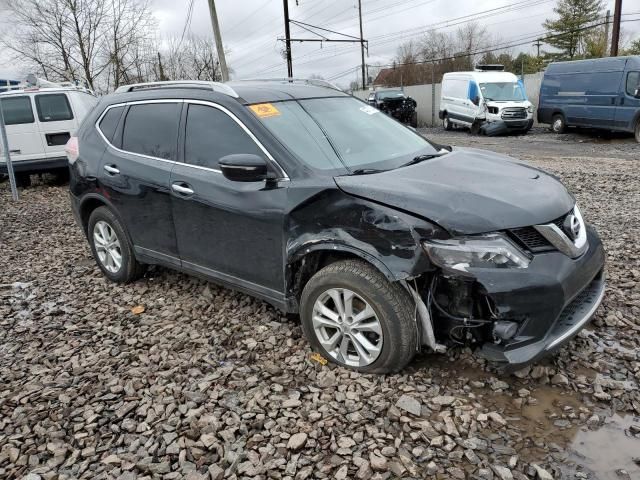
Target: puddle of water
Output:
[(604, 451), (548, 421)]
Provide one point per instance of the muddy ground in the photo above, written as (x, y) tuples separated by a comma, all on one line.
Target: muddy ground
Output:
[(210, 383)]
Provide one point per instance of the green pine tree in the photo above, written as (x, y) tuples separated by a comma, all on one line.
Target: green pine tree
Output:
[(634, 48), (566, 32)]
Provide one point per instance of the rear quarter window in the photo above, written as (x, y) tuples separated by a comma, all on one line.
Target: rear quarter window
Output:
[(53, 107), (109, 122), (17, 110)]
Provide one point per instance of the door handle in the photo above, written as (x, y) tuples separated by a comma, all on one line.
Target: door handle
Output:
[(621, 100), (111, 169), (181, 189)]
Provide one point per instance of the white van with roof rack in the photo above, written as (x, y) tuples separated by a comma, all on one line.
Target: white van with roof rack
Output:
[(487, 96), (40, 117)]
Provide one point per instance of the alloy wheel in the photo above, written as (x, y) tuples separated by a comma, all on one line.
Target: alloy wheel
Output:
[(107, 246), (347, 327), (557, 125)]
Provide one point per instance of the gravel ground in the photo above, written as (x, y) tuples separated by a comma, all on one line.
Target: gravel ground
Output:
[(202, 382)]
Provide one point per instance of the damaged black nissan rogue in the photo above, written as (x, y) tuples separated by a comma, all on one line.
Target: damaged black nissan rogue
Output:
[(296, 193)]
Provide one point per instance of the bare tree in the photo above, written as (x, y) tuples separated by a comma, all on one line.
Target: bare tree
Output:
[(192, 57), (130, 34), (95, 42)]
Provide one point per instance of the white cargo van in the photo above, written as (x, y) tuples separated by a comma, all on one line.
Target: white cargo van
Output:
[(473, 99), (39, 121)]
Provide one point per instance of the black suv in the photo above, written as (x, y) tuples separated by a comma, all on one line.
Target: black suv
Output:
[(321, 205), (397, 104)]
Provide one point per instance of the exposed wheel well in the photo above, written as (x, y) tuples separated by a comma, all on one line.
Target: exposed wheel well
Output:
[(300, 271), (87, 208)]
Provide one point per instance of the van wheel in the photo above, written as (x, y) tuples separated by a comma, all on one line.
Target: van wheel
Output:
[(111, 247), (352, 315), (638, 131), (23, 180), (558, 123), (446, 123)]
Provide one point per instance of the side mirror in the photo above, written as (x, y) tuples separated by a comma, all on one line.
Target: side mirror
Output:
[(637, 94), (244, 167), (476, 100)]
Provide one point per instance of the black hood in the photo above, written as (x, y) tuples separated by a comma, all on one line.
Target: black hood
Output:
[(467, 191)]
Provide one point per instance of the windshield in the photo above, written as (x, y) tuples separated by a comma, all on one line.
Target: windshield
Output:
[(333, 133), (391, 94), (502, 91)]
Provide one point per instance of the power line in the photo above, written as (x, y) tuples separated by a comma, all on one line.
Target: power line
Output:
[(237, 24), (392, 37), (187, 22), (480, 52)]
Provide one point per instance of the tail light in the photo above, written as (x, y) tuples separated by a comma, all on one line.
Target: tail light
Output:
[(72, 150)]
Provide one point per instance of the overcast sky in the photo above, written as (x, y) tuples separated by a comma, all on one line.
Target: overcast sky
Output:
[(251, 28)]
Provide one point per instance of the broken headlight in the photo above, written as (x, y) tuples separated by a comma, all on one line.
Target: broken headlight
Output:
[(483, 251)]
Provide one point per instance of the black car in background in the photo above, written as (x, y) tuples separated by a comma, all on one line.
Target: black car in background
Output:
[(395, 103), (312, 200)]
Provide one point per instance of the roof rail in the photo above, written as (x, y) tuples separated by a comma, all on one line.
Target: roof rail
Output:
[(215, 86), (318, 82)]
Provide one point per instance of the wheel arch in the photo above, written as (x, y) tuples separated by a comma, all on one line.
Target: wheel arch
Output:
[(93, 201), (307, 260)]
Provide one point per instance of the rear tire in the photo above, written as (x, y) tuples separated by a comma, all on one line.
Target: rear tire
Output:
[(390, 326), (111, 247), (558, 123), (637, 132), (446, 123)]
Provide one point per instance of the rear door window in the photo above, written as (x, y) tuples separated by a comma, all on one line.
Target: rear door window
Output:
[(53, 108), (152, 129), (17, 110), (212, 134), (633, 83)]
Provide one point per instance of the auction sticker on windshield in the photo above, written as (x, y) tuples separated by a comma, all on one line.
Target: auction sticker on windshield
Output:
[(368, 109), (264, 110)]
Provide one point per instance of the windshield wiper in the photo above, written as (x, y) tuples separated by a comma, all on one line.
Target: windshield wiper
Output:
[(422, 158), (366, 171)]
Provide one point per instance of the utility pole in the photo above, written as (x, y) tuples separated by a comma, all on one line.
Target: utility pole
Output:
[(606, 33), (615, 36), (364, 80), (287, 39), (538, 44), (218, 38)]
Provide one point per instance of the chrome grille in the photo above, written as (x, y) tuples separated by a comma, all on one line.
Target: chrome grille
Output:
[(514, 113), (530, 238)]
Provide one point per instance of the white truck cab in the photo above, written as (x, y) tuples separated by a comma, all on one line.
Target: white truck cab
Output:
[(39, 121), (475, 99)]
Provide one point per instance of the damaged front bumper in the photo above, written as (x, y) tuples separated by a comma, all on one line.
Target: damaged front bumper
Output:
[(518, 315), (552, 300)]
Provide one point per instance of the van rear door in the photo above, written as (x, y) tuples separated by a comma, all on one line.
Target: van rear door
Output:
[(57, 121), (22, 128), (628, 105)]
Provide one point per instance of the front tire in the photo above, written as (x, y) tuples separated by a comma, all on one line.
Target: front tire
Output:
[(356, 318), (637, 131), (413, 120), (111, 247), (446, 123)]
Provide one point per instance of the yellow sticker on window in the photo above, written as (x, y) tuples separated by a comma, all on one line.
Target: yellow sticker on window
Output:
[(265, 110)]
